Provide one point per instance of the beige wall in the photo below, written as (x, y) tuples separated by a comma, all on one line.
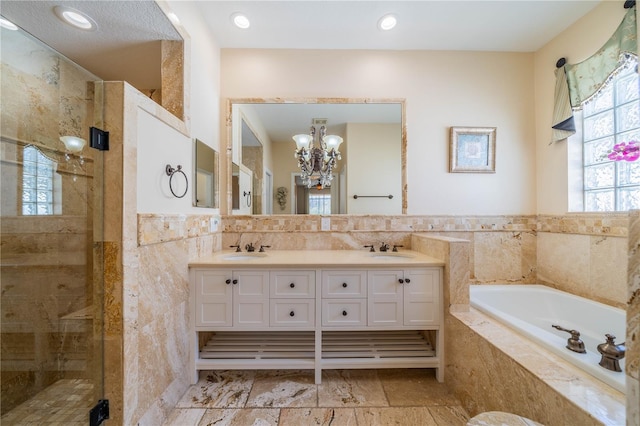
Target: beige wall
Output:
[(378, 172), (575, 44), (442, 89)]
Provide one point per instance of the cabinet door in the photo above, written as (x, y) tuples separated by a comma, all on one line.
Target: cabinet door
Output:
[(384, 306), (251, 299), (213, 298), (422, 297)]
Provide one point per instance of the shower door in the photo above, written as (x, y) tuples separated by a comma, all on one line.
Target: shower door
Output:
[(51, 233)]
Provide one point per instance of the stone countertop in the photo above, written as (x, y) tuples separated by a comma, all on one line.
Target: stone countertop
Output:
[(317, 259)]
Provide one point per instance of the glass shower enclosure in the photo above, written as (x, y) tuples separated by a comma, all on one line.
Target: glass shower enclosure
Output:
[(51, 219)]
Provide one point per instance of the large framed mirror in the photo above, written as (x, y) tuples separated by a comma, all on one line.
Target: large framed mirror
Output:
[(206, 177), (370, 178)]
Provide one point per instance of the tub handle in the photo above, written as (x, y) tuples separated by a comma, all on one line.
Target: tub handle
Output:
[(573, 343)]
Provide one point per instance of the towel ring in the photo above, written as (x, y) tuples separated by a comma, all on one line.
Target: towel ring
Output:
[(171, 172)]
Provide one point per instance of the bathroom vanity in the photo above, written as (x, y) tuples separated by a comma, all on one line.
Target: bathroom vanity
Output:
[(316, 309)]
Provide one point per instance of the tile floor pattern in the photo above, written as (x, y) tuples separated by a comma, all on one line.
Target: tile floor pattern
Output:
[(65, 403), (346, 397)]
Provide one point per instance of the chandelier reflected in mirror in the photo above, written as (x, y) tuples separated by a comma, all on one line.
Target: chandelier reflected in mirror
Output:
[(317, 154)]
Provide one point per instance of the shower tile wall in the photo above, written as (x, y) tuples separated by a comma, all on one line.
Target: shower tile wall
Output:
[(47, 261)]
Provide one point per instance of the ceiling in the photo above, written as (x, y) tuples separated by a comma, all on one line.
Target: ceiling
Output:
[(515, 25), (126, 47), (283, 120)]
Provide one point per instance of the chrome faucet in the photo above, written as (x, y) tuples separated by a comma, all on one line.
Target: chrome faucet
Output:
[(611, 353), (573, 343)]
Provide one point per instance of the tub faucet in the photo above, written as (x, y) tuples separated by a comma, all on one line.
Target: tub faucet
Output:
[(573, 343), (249, 247), (611, 353), (384, 247)]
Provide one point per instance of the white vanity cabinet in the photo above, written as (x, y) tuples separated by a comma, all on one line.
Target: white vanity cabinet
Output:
[(284, 312), (404, 297), (231, 298)]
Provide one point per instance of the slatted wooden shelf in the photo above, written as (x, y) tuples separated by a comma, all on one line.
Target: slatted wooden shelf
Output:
[(378, 344), (262, 345)]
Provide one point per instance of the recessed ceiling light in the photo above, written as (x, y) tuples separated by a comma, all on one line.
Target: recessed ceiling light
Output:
[(387, 22), (240, 20), (5, 23), (75, 18)]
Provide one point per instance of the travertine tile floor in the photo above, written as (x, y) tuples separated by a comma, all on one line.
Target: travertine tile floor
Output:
[(346, 397), (65, 403)]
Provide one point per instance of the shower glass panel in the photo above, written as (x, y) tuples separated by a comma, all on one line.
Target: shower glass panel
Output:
[(51, 237)]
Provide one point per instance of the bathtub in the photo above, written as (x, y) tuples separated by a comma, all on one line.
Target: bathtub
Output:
[(532, 309)]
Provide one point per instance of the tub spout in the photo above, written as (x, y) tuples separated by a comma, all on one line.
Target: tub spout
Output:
[(573, 343), (611, 353)]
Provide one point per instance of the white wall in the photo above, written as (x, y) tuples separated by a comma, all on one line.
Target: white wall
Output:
[(442, 89), (202, 66), (577, 43)]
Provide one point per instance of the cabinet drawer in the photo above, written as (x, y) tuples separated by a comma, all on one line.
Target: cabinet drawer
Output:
[(344, 312), (344, 284), (291, 284), (293, 312)]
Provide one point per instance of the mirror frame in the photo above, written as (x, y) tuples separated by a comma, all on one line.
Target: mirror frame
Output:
[(229, 125)]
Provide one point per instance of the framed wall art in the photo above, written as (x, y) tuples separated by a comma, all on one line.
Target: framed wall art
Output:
[(472, 150)]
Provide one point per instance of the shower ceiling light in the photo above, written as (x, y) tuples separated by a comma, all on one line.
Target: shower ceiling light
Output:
[(75, 18), (5, 23), (387, 22), (240, 20)]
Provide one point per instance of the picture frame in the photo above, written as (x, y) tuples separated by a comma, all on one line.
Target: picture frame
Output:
[(472, 150)]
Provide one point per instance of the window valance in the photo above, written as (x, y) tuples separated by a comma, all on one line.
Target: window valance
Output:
[(578, 83)]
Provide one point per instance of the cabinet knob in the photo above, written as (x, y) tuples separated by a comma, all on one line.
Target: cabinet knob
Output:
[(344, 285), (228, 281), (292, 285), (407, 280), (401, 281), (344, 313), (291, 313), (235, 281)]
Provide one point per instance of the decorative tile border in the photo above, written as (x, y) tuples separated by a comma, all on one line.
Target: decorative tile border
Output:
[(160, 228), (369, 223), (611, 224)]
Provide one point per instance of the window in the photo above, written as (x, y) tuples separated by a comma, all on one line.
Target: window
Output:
[(613, 116), (37, 183), (319, 203)]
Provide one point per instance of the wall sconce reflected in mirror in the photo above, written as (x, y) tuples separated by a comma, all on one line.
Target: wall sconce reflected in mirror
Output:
[(73, 146)]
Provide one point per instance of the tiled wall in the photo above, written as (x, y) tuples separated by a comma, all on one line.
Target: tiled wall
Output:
[(499, 248)]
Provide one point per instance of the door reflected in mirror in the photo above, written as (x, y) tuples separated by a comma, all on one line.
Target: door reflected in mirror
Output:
[(206, 175), (373, 153)]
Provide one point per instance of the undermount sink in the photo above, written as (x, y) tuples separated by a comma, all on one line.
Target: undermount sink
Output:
[(243, 256), (391, 255)]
